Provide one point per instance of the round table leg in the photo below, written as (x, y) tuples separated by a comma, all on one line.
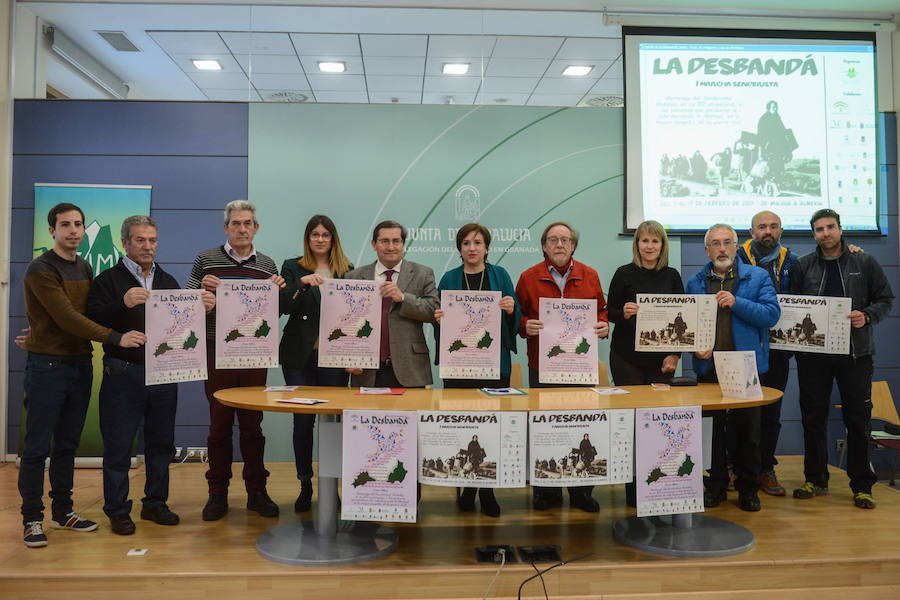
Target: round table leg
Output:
[(696, 536), (352, 542)]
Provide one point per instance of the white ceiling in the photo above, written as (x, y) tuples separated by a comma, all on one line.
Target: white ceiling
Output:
[(395, 55)]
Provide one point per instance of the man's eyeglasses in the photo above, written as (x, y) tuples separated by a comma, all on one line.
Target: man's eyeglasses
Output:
[(553, 241), (721, 244), (387, 242)]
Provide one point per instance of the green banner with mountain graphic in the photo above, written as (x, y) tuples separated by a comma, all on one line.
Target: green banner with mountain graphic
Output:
[(104, 207)]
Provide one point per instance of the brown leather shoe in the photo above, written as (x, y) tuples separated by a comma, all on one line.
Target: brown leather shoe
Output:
[(768, 483)]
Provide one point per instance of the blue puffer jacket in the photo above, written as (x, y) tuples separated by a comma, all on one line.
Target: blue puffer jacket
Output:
[(755, 310)]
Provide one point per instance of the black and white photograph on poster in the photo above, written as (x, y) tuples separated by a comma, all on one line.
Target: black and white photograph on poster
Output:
[(580, 447), (816, 324), (675, 322), (472, 449)]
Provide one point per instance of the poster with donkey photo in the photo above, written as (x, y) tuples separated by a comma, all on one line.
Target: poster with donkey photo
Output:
[(675, 322), (580, 447), (478, 449), (812, 324)]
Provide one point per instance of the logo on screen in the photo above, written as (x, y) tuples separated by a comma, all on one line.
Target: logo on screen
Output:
[(468, 203)]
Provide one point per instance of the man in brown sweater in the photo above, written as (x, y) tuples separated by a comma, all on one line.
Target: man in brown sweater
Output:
[(58, 373)]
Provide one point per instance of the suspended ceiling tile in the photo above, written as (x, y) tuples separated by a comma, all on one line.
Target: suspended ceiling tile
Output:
[(285, 95), (189, 42), (593, 48), (567, 85), (394, 98), (247, 95), (269, 63), (500, 98), (558, 66), (256, 42), (394, 83), (337, 83), (394, 45), (456, 46), (272, 81), (525, 46), (554, 99), (608, 86), (351, 97), (326, 43), (452, 84), (615, 71), (517, 67), (447, 98), (220, 81), (521, 85), (352, 63), (435, 65), (395, 65), (229, 65)]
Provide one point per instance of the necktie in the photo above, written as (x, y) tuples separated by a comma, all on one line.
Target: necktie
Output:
[(386, 302)]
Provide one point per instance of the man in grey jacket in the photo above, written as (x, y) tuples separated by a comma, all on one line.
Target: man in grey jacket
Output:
[(409, 299), (831, 270)]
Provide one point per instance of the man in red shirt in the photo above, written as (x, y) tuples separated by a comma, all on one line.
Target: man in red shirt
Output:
[(557, 276)]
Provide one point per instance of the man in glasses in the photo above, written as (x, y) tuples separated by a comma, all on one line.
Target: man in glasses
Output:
[(747, 308), (409, 299), (557, 276)]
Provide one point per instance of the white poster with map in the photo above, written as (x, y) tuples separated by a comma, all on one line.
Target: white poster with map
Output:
[(175, 322), (246, 324), (669, 460), (473, 449), (379, 449), (675, 322), (350, 324), (580, 447), (812, 324), (567, 345), (470, 335), (737, 374)]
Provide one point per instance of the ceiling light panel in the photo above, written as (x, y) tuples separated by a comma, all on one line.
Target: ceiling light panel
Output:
[(186, 62), (435, 65), (517, 67), (455, 68), (352, 64), (246, 42), (394, 45), (320, 44), (189, 42), (395, 65), (206, 64), (578, 70), (558, 66), (460, 46), (525, 46), (591, 48), (269, 63)]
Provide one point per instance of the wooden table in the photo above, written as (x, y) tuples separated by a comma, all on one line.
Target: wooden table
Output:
[(328, 541)]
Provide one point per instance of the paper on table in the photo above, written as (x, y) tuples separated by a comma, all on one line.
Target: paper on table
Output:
[(610, 391), (281, 388), (503, 392), (381, 391), (301, 400)]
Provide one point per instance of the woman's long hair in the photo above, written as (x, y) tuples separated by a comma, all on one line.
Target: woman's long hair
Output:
[(337, 260)]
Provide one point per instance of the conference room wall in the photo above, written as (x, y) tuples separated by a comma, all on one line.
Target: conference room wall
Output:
[(194, 155), (887, 351)]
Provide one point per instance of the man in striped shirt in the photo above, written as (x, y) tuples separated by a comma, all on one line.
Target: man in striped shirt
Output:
[(237, 258)]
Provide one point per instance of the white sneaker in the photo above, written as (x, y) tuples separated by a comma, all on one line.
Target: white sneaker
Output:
[(73, 522), (34, 535)]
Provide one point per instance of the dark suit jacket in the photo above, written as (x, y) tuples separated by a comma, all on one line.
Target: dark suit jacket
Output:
[(409, 352)]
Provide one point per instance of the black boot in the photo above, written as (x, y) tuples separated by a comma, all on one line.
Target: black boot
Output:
[(465, 499), (488, 502), (304, 500)]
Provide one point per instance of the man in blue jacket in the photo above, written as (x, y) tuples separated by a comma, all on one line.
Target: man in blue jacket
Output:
[(764, 250), (747, 308)]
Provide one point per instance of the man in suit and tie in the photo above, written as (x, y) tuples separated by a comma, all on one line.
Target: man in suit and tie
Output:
[(409, 299)]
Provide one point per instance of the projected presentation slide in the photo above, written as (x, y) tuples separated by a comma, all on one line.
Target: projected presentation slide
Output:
[(730, 127)]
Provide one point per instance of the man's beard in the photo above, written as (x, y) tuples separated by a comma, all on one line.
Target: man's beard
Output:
[(723, 264), (767, 243)]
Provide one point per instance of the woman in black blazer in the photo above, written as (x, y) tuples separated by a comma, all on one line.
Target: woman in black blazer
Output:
[(323, 258)]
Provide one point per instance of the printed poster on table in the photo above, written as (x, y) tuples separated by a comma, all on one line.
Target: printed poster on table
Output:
[(470, 335), (567, 344), (175, 322), (675, 322), (812, 324), (379, 449), (737, 374), (669, 460), (350, 324), (246, 324), (473, 449), (580, 447)]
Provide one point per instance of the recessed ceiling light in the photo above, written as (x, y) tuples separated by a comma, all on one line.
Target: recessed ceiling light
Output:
[(206, 64), (332, 67), (455, 68), (578, 70)]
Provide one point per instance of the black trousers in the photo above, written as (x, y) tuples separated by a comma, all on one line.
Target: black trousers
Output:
[(770, 414), (817, 375), (737, 429)]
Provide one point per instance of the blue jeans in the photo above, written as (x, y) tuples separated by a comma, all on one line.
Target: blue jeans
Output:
[(124, 402), (309, 374), (57, 394)]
